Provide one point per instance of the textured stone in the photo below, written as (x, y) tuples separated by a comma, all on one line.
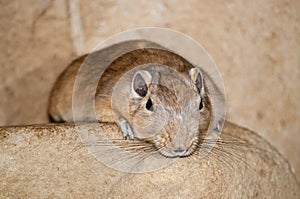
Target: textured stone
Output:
[(50, 161)]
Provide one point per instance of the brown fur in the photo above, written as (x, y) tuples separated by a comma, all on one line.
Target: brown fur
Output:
[(184, 125)]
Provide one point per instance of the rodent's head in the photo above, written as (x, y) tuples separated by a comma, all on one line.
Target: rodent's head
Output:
[(170, 110)]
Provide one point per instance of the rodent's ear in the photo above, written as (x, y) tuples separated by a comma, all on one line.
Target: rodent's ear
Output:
[(197, 78), (139, 84)]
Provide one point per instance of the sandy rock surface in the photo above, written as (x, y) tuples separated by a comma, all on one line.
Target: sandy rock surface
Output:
[(50, 161)]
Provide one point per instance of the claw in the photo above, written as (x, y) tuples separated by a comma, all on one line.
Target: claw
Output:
[(125, 128)]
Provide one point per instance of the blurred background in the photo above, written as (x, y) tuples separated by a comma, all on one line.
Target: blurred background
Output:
[(255, 44)]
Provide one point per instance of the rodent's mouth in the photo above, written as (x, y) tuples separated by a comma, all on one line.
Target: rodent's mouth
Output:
[(169, 154), (179, 153)]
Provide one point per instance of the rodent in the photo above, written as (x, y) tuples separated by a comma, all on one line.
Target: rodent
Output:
[(160, 97)]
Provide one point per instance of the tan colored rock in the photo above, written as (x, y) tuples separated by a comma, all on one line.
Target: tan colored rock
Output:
[(50, 161)]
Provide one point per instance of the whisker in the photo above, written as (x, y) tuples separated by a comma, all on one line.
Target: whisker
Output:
[(229, 150)]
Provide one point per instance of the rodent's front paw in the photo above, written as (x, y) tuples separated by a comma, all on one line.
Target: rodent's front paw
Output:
[(125, 128)]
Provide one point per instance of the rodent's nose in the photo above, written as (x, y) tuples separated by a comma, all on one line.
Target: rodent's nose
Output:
[(179, 151)]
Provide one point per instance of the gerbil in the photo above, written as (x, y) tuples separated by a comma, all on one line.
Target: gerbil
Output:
[(153, 95)]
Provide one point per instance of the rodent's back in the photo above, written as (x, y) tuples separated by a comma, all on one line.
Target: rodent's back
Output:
[(60, 101)]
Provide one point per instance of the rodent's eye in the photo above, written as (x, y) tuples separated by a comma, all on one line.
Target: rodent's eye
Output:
[(149, 105), (201, 104)]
